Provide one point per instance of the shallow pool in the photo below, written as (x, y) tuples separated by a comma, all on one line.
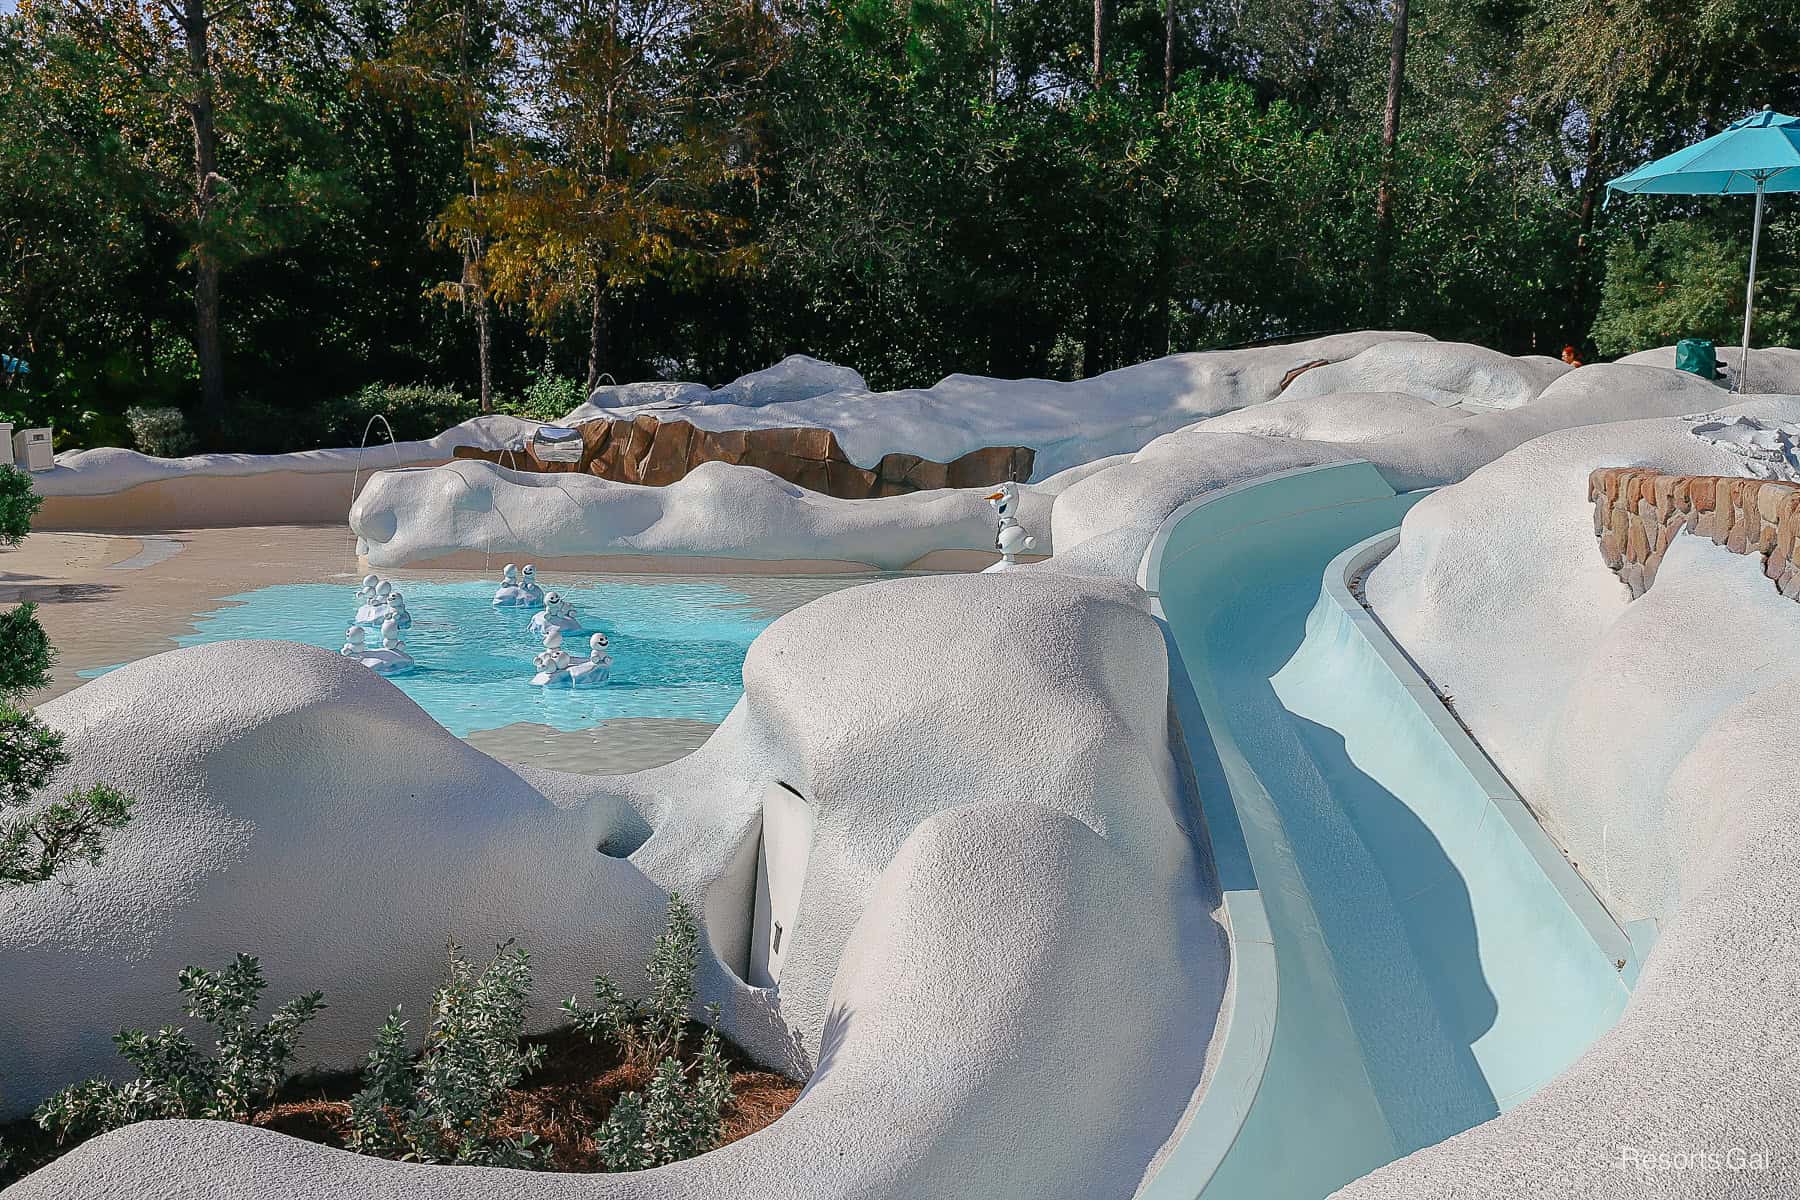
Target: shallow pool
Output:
[(677, 647)]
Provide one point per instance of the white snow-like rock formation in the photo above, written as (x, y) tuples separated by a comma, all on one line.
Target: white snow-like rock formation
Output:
[(716, 510), (1439, 372), (109, 469), (1652, 738), (1774, 370), (984, 954), (1067, 424), (1770, 450), (796, 377)]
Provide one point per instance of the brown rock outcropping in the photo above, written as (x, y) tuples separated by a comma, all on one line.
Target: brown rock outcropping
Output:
[(1638, 512), (645, 450)]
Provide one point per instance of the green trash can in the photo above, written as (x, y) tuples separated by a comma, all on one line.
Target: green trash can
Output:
[(1697, 357)]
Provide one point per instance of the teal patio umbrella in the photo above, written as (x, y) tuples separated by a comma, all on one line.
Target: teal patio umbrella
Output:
[(1759, 154)]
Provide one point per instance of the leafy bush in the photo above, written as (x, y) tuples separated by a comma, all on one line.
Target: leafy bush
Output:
[(174, 1080), (415, 411), (25, 651), (160, 432), (548, 397), (679, 1115), (1687, 280), (33, 848), (18, 504), (444, 1106)]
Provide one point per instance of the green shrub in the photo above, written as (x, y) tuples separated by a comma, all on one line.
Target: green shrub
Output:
[(1684, 280), (18, 504), (25, 651), (160, 432), (680, 1113), (175, 1080), (648, 1032), (548, 397), (416, 412), (444, 1106)]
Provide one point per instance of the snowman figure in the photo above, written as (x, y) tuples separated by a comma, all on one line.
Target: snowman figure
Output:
[(367, 590), (1011, 539), (392, 658), (594, 670), (528, 587), (509, 594), (552, 662), (558, 614), (397, 611), (375, 609), (354, 638)]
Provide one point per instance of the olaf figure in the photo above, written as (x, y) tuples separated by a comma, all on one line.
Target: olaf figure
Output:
[(552, 663), (558, 614), (1011, 540), (534, 595), (594, 670), (392, 658), (375, 609), (509, 594)]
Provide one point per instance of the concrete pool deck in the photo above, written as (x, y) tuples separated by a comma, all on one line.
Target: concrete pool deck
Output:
[(109, 598)]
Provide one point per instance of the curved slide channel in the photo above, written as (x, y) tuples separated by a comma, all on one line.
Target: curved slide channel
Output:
[(1436, 960)]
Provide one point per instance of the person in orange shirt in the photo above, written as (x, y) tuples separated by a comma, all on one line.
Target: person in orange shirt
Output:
[(1571, 356)]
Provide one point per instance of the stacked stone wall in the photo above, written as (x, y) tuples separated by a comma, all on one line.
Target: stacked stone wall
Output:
[(1638, 512)]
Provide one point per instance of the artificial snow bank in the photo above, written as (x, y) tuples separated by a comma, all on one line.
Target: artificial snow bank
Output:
[(717, 510), (110, 488), (1004, 928), (1653, 739), (1105, 521), (1066, 423)]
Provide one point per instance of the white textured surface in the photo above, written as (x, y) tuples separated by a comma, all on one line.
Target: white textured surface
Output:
[(1066, 423), (716, 509), (109, 469), (1441, 373), (1774, 370), (1004, 964), (1653, 739)]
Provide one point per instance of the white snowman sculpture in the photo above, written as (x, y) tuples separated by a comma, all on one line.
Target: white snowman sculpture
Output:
[(1011, 540), (552, 662), (392, 658), (558, 614), (376, 609), (518, 591), (354, 639), (397, 611), (367, 590), (508, 594), (594, 670)]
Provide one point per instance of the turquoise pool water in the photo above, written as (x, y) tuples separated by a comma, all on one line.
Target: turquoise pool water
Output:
[(677, 648)]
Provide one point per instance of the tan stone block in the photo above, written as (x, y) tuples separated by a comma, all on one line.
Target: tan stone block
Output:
[(1637, 542), (1665, 494), (1611, 552), (1703, 489), (1768, 501)]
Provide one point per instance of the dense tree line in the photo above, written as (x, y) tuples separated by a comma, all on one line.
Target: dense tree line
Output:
[(251, 209)]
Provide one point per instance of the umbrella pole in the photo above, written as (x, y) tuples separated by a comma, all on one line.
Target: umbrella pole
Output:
[(1743, 373)]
